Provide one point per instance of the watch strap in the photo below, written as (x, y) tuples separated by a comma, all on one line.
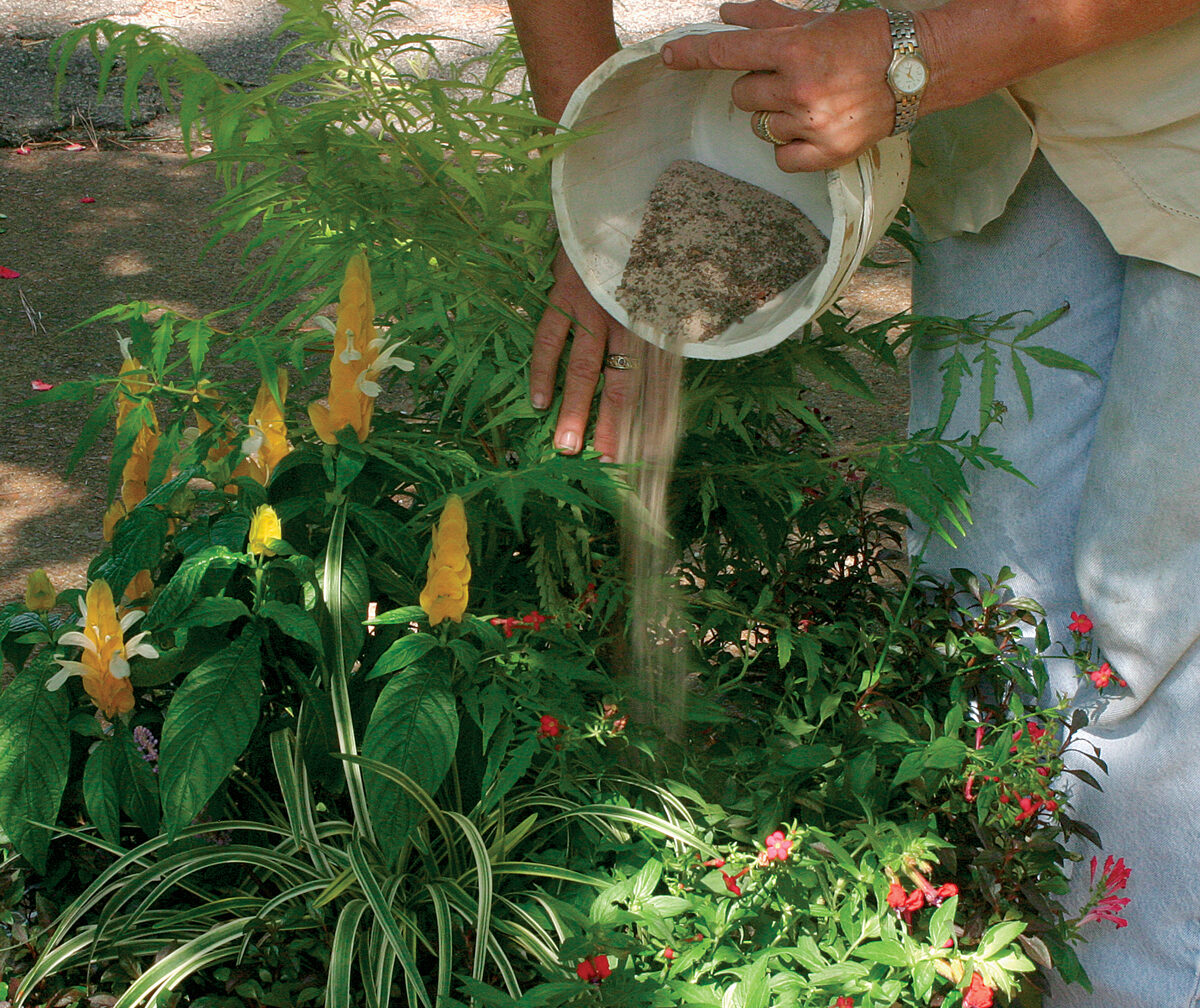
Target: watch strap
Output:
[(904, 43)]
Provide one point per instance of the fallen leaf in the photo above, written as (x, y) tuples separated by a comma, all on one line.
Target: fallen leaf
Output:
[(8, 274), (23, 149), (41, 386), (87, 199), (74, 147)]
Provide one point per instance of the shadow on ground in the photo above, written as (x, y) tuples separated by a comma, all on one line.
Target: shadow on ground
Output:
[(142, 239)]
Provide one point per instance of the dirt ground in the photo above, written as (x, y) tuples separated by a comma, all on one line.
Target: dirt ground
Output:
[(91, 228)]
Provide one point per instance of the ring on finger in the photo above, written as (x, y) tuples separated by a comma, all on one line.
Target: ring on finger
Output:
[(622, 362), (760, 123)]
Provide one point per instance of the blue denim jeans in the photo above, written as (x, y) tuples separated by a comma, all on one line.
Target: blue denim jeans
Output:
[(1108, 526)]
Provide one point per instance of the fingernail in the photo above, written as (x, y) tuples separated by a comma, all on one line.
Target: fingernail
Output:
[(668, 57), (568, 442), (539, 400)]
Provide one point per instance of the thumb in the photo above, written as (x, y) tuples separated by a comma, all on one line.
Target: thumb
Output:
[(721, 50)]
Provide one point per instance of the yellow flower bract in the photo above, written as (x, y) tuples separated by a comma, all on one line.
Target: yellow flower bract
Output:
[(355, 348), (449, 572), (265, 528), (40, 595)]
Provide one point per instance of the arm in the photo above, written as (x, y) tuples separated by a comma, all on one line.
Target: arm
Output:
[(563, 41), (822, 75)]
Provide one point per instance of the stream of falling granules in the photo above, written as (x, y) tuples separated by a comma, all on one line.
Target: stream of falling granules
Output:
[(711, 250)]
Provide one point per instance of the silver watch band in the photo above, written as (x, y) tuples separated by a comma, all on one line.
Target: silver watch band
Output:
[(904, 40)]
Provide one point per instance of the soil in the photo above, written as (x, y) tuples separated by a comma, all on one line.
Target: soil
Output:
[(143, 238), (711, 250)]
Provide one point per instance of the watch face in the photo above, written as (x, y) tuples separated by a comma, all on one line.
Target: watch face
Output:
[(909, 75)]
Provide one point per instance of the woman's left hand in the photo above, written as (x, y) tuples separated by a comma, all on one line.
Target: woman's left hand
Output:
[(822, 76)]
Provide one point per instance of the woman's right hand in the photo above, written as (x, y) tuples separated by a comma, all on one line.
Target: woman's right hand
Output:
[(574, 316)]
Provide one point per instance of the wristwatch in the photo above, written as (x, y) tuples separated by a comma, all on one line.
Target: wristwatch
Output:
[(909, 73)]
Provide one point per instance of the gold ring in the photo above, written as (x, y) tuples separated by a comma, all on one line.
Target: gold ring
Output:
[(761, 125), (622, 362)]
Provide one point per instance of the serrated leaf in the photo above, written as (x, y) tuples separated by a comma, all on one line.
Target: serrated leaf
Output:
[(208, 725)]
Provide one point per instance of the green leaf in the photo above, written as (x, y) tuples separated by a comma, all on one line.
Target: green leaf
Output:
[(35, 749), (890, 953), (208, 725), (941, 924), (407, 651), (212, 612), (183, 587), (137, 546), (294, 621), (101, 789), (997, 937), (414, 728)]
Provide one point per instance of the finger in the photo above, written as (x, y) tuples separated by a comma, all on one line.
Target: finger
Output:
[(763, 14), (724, 50), (755, 91), (618, 398), (548, 341), (584, 364), (802, 156)]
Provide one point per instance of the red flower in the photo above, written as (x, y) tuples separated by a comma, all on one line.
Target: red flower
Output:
[(844, 1002), (717, 862), (778, 846), (914, 901), (731, 881), (1080, 623), (8, 274), (896, 895), (40, 386), (594, 970), (668, 954), (509, 623), (535, 620), (549, 726), (1105, 904), (1102, 676), (87, 199), (978, 994), (946, 891)]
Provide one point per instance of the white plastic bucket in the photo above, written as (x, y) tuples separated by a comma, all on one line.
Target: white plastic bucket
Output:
[(638, 117)]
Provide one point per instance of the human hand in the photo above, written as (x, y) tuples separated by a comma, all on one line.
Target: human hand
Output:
[(595, 334), (821, 75)]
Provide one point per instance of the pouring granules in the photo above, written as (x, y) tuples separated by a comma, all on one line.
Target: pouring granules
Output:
[(711, 250)]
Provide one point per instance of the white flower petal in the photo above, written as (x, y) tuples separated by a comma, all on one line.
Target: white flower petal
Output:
[(130, 618), (350, 353), (123, 342), (367, 387), (391, 358), (142, 651), (324, 322), (253, 442), (118, 668), (68, 669), (73, 638)]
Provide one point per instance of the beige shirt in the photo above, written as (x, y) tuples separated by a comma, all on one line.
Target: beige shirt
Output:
[(1121, 128)]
